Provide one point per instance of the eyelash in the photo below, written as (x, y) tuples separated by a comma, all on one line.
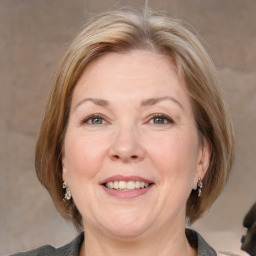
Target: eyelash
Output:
[(166, 119), (88, 120)]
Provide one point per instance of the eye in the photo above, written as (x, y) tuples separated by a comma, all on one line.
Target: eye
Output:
[(95, 119), (160, 119)]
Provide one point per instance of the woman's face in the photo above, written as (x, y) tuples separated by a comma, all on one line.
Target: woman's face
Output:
[(131, 152)]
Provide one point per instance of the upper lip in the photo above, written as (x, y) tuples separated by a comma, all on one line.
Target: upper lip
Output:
[(125, 178)]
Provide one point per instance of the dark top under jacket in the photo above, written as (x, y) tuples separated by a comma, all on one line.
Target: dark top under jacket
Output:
[(73, 248)]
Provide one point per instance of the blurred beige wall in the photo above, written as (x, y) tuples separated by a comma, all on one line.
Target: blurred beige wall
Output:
[(34, 34)]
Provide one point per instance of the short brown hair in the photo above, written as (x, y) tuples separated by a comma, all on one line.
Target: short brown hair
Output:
[(121, 31)]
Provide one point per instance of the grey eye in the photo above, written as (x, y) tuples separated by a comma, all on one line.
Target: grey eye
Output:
[(96, 120), (159, 120)]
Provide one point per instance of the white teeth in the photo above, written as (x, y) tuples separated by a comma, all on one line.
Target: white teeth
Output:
[(137, 184), (116, 185), (130, 185), (123, 185)]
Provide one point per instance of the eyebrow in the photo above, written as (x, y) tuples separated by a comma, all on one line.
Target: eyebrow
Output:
[(96, 101), (144, 103), (153, 101)]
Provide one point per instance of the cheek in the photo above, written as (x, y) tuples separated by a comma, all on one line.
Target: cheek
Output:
[(177, 158), (82, 156)]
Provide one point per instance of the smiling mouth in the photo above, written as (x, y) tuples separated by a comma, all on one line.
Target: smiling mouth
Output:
[(130, 185)]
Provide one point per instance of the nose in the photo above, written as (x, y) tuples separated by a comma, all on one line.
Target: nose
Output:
[(126, 146)]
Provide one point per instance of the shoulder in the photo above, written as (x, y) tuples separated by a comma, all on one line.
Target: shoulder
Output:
[(71, 249), (197, 241), (44, 250)]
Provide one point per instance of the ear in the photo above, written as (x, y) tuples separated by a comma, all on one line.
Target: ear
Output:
[(64, 170), (203, 161)]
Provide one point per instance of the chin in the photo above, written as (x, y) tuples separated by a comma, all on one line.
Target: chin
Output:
[(127, 226), (126, 232)]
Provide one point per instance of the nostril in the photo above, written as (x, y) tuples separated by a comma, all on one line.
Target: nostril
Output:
[(133, 157)]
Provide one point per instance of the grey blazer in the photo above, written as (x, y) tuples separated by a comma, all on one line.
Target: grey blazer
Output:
[(73, 248)]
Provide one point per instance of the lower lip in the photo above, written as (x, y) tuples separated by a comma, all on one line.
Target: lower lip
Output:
[(127, 194)]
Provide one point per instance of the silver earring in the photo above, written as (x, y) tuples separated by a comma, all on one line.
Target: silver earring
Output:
[(199, 186), (67, 195)]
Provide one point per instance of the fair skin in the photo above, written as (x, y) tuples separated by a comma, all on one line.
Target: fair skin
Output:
[(132, 156)]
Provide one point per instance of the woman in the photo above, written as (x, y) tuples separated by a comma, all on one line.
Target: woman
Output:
[(136, 138)]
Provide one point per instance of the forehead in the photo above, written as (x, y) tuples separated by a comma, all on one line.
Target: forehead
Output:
[(137, 73)]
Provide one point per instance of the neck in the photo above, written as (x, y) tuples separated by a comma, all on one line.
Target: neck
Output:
[(170, 244)]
